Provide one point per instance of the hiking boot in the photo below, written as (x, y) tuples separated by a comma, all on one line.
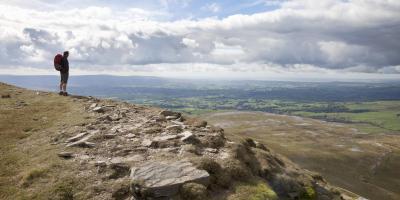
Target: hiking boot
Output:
[(61, 93), (65, 94)]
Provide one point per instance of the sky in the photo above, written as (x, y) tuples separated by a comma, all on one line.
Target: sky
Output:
[(253, 39)]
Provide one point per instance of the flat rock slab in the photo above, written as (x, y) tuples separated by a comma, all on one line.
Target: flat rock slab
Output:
[(164, 178)]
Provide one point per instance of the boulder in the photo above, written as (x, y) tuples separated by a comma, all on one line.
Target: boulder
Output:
[(164, 178)]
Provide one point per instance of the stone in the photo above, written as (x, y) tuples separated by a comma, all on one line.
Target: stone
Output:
[(93, 105), (187, 136), (65, 155), (105, 118), (135, 158), (164, 178), (171, 117), (115, 117), (77, 137), (211, 150), (98, 109), (130, 135), (165, 138), (167, 113), (174, 128), (5, 96), (147, 143), (160, 119), (82, 142), (100, 163)]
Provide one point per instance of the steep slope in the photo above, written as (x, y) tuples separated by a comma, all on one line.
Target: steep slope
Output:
[(56, 147)]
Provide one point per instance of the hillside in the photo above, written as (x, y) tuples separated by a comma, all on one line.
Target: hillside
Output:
[(55, 147)]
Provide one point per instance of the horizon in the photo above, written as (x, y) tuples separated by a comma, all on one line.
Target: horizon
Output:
[(284, 40), (220, 79)]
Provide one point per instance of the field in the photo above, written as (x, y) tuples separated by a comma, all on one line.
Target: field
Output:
[(348, 157), (370, 117)]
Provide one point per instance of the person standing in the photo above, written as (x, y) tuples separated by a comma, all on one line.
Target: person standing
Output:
[(64, 72)]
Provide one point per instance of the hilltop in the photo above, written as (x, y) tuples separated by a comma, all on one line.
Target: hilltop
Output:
[(78, 147)]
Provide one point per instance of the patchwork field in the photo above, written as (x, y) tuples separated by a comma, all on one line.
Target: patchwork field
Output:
[(366, 163)]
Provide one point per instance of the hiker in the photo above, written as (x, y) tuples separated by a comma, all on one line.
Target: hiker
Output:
[(64, 72)]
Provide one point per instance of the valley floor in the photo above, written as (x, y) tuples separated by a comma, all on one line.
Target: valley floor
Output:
[(366, 163)]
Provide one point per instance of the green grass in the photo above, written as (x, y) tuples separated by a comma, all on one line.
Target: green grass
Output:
[(379, 116), (253, 191)]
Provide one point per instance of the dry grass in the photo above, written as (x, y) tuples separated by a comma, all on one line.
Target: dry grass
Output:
[(29, 166)]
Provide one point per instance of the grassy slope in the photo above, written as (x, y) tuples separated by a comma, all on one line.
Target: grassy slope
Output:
[(29, 165)]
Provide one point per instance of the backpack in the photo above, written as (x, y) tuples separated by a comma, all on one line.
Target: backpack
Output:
[(57, 62)]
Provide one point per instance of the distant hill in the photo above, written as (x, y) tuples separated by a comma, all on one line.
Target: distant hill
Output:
[(134, 88)]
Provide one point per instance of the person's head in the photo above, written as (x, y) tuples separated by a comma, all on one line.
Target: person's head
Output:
[(66, 54)]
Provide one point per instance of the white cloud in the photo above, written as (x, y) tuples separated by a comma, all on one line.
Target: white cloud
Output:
[(357, 35), (190, 43), (212, 7)]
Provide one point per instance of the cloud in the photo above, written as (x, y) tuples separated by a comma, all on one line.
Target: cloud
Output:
[(212, 7), (356, 35)]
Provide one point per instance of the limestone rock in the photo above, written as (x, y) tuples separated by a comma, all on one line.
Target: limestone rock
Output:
[(164, 178), (98, 109), (171, 117), (187, 136), (77, 137), (147, 143), (93, 105), (82, 142), (165, 138)]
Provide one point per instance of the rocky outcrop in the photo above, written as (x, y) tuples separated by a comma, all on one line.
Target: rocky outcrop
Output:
[(164, 179)]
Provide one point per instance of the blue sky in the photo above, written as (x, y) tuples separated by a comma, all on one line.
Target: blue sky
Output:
[(256, 39)]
